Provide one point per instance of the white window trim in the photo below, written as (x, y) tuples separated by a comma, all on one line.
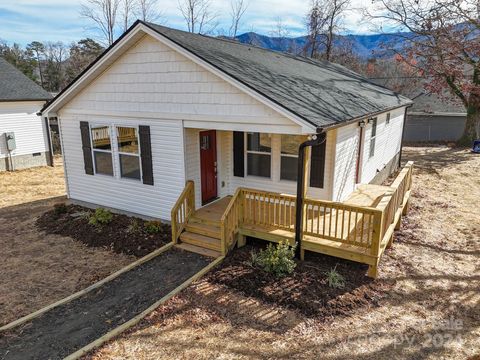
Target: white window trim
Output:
[(373, 138), (258, 153), (91, 127), (118, 152), (115, 153), (287, 155)]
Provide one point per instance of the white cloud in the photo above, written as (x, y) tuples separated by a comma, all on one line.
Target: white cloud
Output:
[(27, 20)]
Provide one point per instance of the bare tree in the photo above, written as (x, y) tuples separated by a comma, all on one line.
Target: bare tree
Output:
[(280, 34), (147, 10), (103, 13), (237, 10), (324, 20), (443, 42), (126, 13), (198, 16)]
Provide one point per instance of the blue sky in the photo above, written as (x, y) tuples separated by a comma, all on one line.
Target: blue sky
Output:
[(23, 21)]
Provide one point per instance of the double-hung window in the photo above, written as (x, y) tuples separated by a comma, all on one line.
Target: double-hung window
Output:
[(128, 152), (373, 136), (102, 150), (289, 156), (259, 154)]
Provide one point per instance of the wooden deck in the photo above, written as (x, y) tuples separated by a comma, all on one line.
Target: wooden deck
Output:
[(358, 229)]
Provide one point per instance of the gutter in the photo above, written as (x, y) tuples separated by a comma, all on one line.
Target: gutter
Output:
[(366, 116), (317, 139)]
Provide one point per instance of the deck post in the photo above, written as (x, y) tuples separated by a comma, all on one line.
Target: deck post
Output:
[(376, 241)]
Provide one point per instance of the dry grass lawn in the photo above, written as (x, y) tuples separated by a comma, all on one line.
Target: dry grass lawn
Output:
[(39, 269), (432, 312)]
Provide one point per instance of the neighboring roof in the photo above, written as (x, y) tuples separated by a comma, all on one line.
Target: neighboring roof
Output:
[(425, 101), (430, 103), (318, 92), (15, 86)]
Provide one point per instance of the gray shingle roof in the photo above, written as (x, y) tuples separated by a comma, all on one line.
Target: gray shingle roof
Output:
[(424, 101), (15, 86), (320, 92)]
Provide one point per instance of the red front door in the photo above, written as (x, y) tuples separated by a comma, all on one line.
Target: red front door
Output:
[(208, 165)]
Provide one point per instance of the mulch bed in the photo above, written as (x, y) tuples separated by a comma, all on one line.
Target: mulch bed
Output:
[(306, 290), (124, 234), (68, 327)]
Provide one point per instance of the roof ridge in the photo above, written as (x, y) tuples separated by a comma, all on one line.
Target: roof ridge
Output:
[(231, 41)]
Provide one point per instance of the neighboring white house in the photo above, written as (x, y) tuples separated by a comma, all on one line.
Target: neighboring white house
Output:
[(163, 106), (24, 138)]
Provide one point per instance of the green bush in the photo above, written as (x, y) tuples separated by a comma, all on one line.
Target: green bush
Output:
[(277, 259), (153, 227), (60, 209), (101, 216), (335, 279)]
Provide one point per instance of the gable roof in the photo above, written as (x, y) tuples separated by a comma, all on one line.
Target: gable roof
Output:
[(15, 86), (319, 93)]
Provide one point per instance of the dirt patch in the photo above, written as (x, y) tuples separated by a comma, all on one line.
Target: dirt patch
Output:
[(306, 290), (37, 268), (68, 327), (434, 265), (123, 234), (33, 184)]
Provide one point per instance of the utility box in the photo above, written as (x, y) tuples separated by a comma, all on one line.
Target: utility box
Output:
[(10, 141)]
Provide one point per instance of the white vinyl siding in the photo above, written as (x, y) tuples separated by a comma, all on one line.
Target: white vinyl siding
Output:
[(152, 80), (128, 194), (150, 84), (274, 183), (347, 142), (30, 130), (387, 143)]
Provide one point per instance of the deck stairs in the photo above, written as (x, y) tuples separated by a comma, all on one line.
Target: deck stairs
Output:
[(202, 232)]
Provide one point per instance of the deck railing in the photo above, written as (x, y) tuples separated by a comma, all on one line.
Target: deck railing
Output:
[(367, 230), (182, 210), (347, 224), (231, 221), (392, 202), (269, 209)]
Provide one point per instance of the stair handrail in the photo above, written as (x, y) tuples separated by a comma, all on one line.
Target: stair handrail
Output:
[(182, 210), (231, 220)]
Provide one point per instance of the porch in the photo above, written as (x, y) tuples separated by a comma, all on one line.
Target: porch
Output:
[(358, 229)]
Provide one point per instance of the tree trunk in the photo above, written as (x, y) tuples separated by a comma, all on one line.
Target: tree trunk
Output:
[(472, 126)]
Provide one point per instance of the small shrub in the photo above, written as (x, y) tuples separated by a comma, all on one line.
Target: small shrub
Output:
[(335, 279), (60, 209), (134, 227), (277, 259), (153, 227), (101, 216)]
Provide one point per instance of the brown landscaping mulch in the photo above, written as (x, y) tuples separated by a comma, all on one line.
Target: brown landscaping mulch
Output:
[(124, 234), (306, 289)]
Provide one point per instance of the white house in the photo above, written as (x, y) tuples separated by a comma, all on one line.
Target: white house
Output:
[(24, 140), (162, 106)]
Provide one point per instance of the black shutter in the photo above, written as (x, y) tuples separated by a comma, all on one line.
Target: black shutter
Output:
[(238, 154), (317, 165), (146, 154), (86, 147)]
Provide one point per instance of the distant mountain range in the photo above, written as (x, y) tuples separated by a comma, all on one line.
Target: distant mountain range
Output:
[(364, 46)]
